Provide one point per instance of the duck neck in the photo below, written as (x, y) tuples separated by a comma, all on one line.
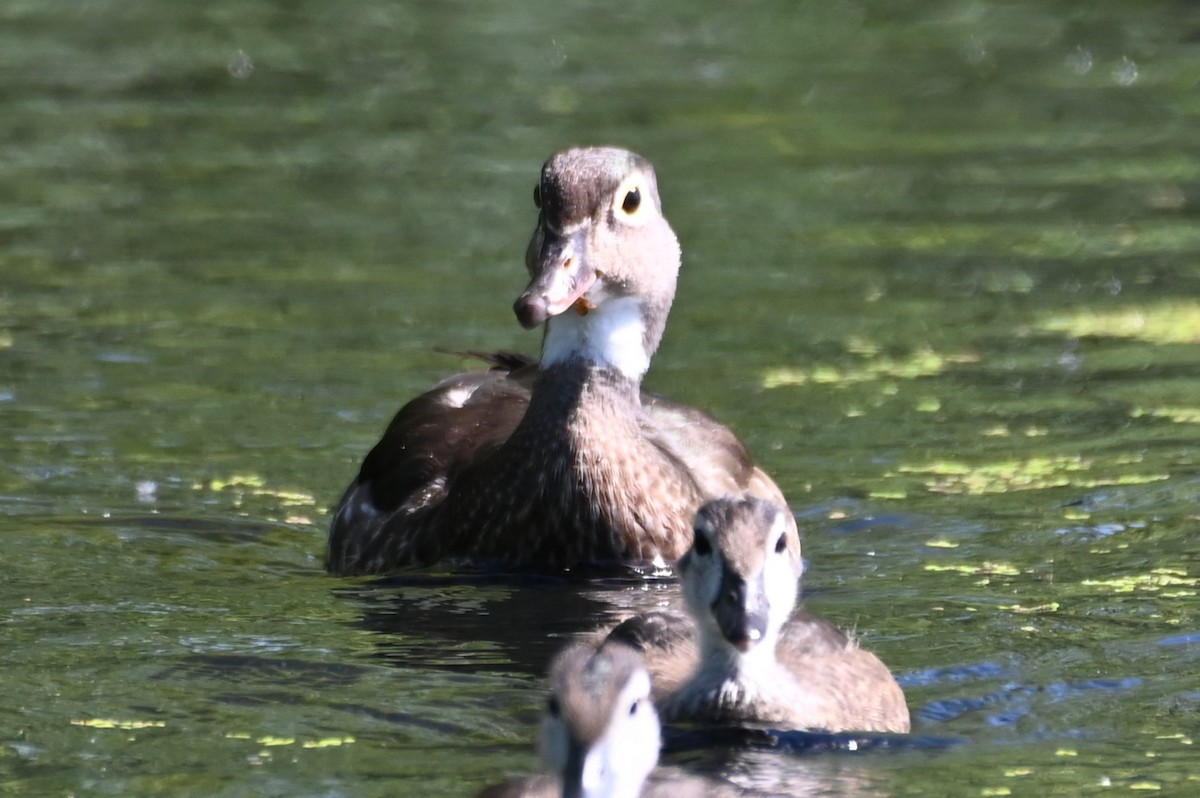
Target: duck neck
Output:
[(757, 665), (617, 334), (572, 397)]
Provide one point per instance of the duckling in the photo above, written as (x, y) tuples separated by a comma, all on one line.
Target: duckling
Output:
[(743, 656), (566, 461), (600, 734)]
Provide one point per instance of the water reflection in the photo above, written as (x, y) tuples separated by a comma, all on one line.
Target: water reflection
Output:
[(494, 622)]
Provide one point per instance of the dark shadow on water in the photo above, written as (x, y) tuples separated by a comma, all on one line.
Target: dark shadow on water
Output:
[(250, 669), (494, 620), (235, 680), (680, 741)]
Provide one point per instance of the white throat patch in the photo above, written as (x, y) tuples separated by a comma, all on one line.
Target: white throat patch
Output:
[(611, 334)]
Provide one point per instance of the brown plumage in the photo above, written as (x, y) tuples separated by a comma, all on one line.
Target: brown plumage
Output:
[(568, 461), (740, 655)]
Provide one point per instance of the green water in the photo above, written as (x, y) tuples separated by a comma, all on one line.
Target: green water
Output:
[(942, 262)]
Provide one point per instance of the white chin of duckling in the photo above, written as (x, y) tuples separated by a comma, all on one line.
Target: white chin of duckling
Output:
[(611, 335), (731, 683), (756, 666)]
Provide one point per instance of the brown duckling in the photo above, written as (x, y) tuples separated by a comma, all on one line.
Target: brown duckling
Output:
[(600, 734), (743, 656), (567, 461)]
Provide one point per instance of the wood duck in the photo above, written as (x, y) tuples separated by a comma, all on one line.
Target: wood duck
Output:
[(567, 461), (600, 734), (743, 656)]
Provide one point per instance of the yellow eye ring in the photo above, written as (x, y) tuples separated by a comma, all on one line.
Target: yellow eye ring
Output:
[(633, 200)]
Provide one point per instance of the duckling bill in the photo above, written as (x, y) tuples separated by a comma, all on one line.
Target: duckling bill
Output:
[(566, 461)]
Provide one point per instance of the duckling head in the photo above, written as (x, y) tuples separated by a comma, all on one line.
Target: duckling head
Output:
[(741, 575), (600, 733), (603, 261)]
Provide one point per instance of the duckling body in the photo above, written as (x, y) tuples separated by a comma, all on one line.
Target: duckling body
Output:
[(567, 461), (600, 734), (740, 655)]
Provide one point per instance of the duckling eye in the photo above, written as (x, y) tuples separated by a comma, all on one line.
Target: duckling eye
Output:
[(701, 545), (633, 199), (781, 545), (552, 708), (634, 707), (537, 197)]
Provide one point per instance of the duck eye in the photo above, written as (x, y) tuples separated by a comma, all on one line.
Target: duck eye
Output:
[(633, 199), (634, 707), (781, 544), (537, 197), (552, 708), (701, 545)]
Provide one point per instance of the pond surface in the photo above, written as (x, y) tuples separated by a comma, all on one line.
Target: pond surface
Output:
[(942, 269)]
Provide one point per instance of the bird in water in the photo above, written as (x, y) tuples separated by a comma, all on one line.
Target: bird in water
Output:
[(739, 654), (600, 734), (566, 461)]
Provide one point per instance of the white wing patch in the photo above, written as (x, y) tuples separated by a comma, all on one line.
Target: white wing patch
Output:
[(457, 397)]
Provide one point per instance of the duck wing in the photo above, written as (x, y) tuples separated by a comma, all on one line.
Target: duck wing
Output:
[(429, 440), (434, 435), (716, 459), (701, 445)]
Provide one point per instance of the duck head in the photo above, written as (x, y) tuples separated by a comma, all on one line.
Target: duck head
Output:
[(603, 261), (600, 733), (741, 576)]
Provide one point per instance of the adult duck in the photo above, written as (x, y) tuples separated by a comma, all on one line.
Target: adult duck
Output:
[(566, 461), (743, 656)]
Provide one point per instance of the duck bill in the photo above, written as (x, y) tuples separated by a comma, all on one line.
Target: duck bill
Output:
[(741, 611), (572, 775), (561, 277)]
